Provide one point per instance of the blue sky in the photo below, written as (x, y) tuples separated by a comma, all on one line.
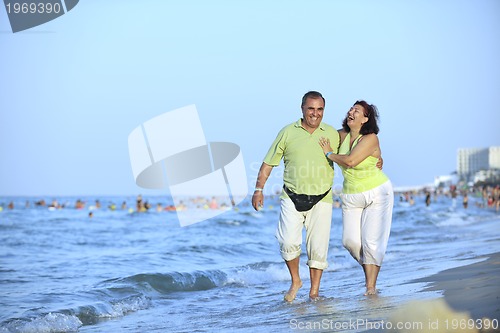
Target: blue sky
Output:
[(72, 90)]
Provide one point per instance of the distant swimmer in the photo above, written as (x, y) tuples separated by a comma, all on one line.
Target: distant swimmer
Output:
[(453, 190), (40, 203), (54, 204), (496, 197), (427, 199), (213, 203), (79, 204), (181, 206), (170, 208), (140, 204)]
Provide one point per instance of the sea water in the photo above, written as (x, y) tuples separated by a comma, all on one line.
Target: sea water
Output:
[(123, 271)]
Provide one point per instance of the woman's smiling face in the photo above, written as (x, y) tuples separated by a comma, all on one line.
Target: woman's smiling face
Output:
[(356, 116)]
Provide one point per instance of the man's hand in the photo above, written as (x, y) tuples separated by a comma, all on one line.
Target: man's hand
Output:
[(380, 163), (258, 200)]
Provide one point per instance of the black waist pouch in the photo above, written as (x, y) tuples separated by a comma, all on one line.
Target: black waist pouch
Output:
[(304, 202)]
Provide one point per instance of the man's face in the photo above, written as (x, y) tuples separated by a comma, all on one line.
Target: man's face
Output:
[(312, 112)]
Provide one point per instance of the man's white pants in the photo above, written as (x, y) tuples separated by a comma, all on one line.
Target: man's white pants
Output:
[(317, 222)]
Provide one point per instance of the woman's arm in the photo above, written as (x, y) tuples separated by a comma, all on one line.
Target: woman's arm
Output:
[(367, 146)]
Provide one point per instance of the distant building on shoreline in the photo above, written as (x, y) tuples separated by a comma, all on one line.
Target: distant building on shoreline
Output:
[(479, 165)]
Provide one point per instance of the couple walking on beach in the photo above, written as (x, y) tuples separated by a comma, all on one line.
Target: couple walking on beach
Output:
[(309, 148)]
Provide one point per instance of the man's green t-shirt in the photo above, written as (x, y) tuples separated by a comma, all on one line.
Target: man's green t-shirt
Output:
[(307, 170)]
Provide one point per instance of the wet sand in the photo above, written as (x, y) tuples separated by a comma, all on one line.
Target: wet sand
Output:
[(470, 302), (473, 288)]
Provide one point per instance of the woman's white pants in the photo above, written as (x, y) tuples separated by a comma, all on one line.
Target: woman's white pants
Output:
[(366, 219)]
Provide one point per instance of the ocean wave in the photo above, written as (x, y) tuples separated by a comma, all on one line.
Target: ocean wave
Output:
[(171, 282), (92, 314), (47, 323), (231, 221), (258, 273), (72, 319), (59, 220), (118, 297), (451, 221), (427, 216), (164, 283)]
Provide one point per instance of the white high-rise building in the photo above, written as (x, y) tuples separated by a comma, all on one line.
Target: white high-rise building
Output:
[(472, 160), (494, 157)]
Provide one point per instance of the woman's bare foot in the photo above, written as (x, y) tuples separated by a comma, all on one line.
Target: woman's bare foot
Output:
[(314, 294), (313, 297), (292, 292), (371, 291)]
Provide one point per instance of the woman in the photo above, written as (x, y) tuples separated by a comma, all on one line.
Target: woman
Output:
[(367, 195)]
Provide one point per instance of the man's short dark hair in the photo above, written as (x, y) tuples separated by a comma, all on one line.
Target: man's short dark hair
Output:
[(312, 94)]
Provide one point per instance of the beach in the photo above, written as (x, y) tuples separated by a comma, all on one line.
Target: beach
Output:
[(470, 301), (472, 288), (118, 270)]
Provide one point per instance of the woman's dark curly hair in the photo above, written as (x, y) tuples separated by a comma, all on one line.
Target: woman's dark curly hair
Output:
[(371, 125)]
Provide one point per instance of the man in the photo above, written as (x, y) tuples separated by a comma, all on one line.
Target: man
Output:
[(306, 199)]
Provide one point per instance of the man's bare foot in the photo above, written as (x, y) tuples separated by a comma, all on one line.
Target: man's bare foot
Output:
[(292, 292), (371, 291)]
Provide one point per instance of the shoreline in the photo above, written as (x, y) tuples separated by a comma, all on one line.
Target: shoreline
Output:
[(470, 301), (473, 288)]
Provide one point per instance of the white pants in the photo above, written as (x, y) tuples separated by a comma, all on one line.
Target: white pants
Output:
[(367, 219), (317, 222)]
